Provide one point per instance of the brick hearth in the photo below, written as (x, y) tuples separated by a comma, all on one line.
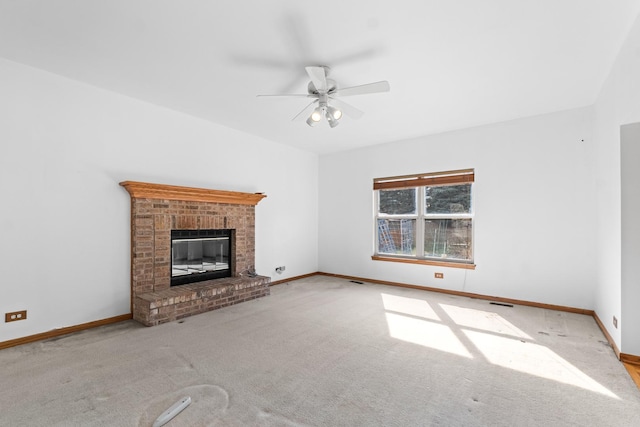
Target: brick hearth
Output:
[(157, 209)]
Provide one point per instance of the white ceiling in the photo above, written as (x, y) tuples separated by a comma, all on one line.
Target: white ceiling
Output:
[(451, 64)]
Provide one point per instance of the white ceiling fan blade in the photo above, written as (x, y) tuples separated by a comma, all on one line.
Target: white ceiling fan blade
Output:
[(306, 111), (376, 87), (347, 109), (318, 76), (297, 95)]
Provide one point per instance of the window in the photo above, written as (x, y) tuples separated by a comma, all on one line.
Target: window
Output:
[(425, 218)]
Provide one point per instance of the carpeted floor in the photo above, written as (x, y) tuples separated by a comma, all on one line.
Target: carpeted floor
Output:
[(327, 352)]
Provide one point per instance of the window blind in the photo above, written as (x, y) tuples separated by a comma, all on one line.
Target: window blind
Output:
[(462, 176)]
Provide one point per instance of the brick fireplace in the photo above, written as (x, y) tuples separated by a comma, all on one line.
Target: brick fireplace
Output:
[(158, 209)]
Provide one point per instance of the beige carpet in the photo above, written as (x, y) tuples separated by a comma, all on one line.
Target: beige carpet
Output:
[(328, 352)]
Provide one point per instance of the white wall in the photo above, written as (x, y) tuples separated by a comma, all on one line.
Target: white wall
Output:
[(533, 199), (65, 247), (618, 104)]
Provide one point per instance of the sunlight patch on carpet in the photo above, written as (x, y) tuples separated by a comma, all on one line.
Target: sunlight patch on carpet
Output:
[(485, 320), (411, 306), (425, 333), (533, 359)]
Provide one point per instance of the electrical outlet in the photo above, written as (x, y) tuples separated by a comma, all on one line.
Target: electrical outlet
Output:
[(15, 316), (439, 275), (615, 322)]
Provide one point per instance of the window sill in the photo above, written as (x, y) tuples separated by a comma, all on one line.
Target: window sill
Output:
[(451, 264)]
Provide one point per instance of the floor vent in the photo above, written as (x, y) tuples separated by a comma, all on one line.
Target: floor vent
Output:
[(501, 303)]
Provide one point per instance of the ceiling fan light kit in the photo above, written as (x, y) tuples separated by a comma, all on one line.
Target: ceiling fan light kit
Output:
[(314, 118), (324, 90), (334, 112)]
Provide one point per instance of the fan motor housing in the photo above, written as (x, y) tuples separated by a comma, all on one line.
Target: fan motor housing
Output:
[(331, 87)]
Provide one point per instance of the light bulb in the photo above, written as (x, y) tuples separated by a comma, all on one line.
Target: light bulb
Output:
[(316, 116), (333, 113)]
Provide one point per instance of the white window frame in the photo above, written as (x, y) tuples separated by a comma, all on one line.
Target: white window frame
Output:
[(419, 182)]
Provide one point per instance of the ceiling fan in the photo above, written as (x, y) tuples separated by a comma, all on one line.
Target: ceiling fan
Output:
[(325, 93)]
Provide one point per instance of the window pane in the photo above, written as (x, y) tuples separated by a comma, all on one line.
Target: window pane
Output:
[(397, 236), (448, 199), (398, 202), (448, 238)]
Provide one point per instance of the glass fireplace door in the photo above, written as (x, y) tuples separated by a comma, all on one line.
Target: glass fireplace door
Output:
[(199, 257)]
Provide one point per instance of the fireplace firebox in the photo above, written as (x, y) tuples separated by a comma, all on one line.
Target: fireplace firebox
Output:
[(198, 255)]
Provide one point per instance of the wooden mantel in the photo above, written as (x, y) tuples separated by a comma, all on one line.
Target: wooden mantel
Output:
[(145, 190)]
